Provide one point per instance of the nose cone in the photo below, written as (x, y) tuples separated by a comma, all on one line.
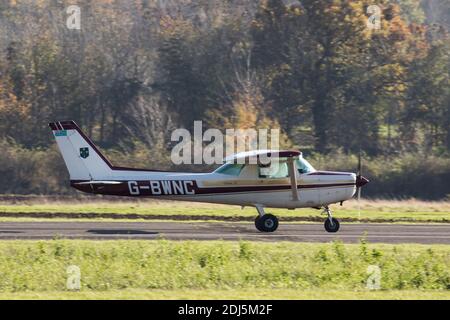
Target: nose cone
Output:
[(361, 181)]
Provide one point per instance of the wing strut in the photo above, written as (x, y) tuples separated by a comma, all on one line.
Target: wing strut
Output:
[(293, 175)]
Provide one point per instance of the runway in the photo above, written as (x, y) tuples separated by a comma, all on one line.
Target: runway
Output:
[(349, 233)]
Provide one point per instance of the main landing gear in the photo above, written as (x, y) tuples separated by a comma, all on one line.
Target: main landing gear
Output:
[(265, 222), (331, 224)]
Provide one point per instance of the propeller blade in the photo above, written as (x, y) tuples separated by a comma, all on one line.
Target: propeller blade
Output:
[(359, 177), (359, 204), (359, 163)]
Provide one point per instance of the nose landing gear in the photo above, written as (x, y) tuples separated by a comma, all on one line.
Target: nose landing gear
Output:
[(331, 224)]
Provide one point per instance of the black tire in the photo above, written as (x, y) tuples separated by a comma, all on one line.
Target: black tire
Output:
[(266, 223), (257, 219), (332, 227)]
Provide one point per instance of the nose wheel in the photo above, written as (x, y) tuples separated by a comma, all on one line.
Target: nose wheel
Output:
[(331, 224), (266, 222)]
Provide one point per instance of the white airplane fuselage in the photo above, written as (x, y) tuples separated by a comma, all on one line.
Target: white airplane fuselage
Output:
[(315, 189)]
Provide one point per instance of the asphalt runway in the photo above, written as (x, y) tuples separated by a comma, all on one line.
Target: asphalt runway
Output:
[(349, 233)]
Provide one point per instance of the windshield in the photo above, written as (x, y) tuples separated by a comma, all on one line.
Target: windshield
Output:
[(304, 166)]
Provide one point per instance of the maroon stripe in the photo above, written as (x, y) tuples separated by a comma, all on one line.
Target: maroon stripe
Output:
[(284, 154), (137, 169), (69, 125), (328, 173), (266, 188), (122, 189), (277, 154)]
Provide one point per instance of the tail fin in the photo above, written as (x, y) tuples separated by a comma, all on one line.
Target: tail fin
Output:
[(83, 160)]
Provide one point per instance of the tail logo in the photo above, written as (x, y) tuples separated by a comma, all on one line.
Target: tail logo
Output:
[(84, 152)]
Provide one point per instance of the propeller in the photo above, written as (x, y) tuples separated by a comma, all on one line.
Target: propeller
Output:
[(359, 175), (360, 182), (358, 188)]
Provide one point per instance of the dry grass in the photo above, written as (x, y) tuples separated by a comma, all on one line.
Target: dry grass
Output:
[(239, 294), (410, 210), (412, 205), (365, 204)]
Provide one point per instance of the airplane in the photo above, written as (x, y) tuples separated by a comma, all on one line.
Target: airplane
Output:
[(287, 181)]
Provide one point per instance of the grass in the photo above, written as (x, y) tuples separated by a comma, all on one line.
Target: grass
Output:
[(371, 210), (221, 270)]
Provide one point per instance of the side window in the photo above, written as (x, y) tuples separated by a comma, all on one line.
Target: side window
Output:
[(275, 170), (231, 169)]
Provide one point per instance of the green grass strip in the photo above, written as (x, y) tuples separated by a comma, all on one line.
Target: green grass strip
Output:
[(41, 266)]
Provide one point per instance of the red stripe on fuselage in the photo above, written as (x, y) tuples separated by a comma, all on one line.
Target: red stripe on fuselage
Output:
[(328, 173), (122, 189)]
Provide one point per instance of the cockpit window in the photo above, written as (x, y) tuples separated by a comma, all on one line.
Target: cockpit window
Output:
[(304, 166), (230, 169)]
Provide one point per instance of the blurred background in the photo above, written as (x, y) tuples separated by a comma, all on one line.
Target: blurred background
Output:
[(137, 70)]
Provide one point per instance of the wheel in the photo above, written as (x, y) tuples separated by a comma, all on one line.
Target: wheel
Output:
[(332, 227), (266, 223), (257, 222)]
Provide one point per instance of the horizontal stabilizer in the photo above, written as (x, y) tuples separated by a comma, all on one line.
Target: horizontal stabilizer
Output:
[(99, 183)]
